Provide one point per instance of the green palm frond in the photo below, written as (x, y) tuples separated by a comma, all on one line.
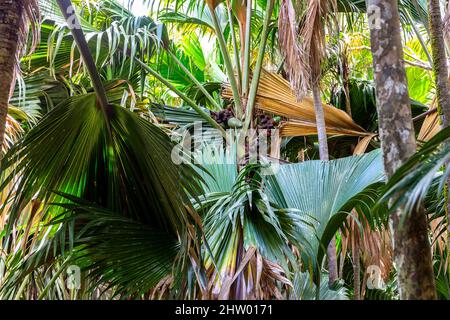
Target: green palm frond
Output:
[(121, 163), (76, 151), (327, 192), (411, 183), (305, 289), (119, 253), (238, 217)]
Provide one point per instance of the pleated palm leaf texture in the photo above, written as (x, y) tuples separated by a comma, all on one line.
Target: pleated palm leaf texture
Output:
[(414, 179), (304, 289), (325, 193), (371, 246), (13, 131), (276, 96), (430, 126), (118, 162), (420, 181), (246, 234)]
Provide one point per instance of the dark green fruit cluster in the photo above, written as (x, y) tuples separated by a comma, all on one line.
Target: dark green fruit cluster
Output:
[(266, 122), (222, 116)]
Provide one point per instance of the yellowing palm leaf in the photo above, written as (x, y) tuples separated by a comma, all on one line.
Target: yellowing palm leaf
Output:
[(431, 125), (275, 96)]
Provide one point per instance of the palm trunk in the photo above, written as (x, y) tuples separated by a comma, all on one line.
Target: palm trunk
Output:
[(441, 79), (412, 253), (323, 153), (11, 17), (356, 268), (346, 81), (320, 123)]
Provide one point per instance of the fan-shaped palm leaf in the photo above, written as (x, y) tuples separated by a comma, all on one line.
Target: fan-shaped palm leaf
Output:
[(327, 192), (275, 96)]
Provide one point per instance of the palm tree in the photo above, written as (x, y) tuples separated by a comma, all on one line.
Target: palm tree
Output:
[(440, 70), (439, 61), (410, 231), (92, 181), (14, 19), (122, 150), (303, 63)]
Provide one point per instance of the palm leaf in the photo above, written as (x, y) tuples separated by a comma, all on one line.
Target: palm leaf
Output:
[(304, 289), (410, 184), (327, 192), (275, 96)]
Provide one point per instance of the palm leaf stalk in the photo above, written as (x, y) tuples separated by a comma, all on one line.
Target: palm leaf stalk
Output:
[(185, 98), (235, 46), (194, 80), (103, 153), (419, 36), (226, 57), (247, 44), (67, 10), (258, 67), (303, 63)]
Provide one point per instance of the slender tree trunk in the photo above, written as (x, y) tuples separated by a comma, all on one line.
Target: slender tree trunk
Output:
[(346, 81), (320, 122), (356, 270), (323, 153), (412, 253), (439, 61), (11, 12), (440, 69)]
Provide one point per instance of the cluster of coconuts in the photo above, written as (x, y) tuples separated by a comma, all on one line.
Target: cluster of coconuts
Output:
[(226, 119), (266, 122)]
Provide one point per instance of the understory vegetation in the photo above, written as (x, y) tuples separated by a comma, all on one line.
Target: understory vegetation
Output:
[(236, 149)]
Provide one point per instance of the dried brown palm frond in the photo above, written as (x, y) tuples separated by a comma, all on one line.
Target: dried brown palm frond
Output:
[(431, 125), (371, 247), (31, 18), (275, 96), (298, 70), (312, 33), (439, 240), (362, 145), (296, 128), (302, 40), (255, 278), (212, 4), (13, 131), (161, 291)]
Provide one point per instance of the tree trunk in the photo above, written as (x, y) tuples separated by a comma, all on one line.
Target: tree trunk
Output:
[(346, 80), (440, 69), (320, 123), (323, 153), (11, 12), (356, 267), (412, 253)]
